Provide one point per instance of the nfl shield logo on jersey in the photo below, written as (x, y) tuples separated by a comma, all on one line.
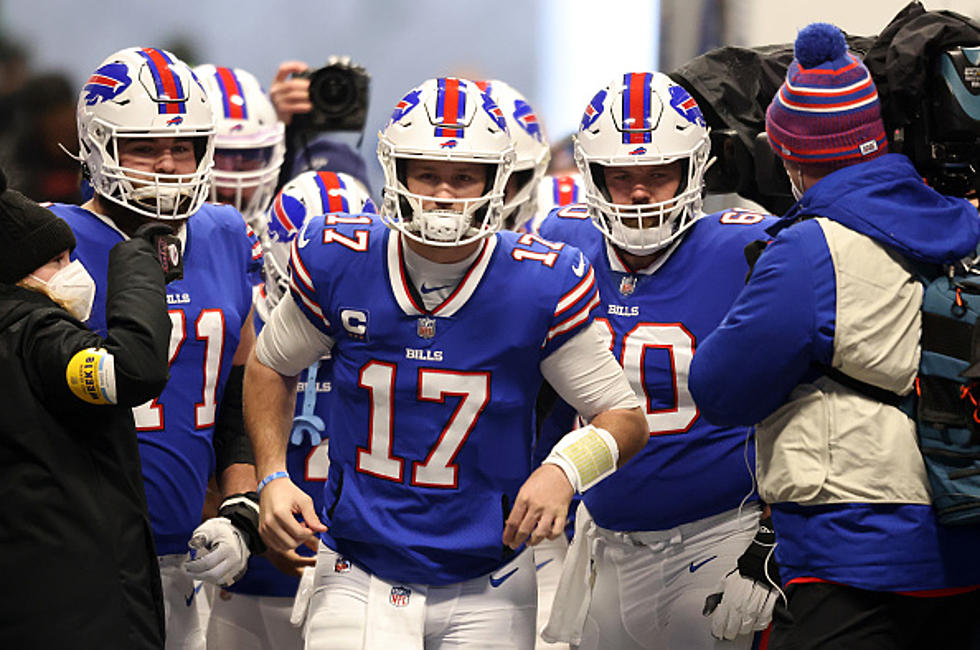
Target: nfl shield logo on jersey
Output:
[(399, 596), (426, 327), (342, 565), (627, 285)]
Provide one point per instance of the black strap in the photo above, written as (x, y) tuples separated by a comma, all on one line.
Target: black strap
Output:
[(866, 389)]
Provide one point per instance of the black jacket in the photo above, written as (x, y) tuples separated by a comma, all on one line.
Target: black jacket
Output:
[(78, 567)]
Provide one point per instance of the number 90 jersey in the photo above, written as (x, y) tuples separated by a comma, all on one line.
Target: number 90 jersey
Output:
[(689, 469), (431, 412), (208, 307)]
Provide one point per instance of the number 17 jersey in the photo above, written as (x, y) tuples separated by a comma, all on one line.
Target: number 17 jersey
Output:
[(431, 411)]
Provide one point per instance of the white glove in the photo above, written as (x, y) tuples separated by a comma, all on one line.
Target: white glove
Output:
[(745, 607), (218, 553)]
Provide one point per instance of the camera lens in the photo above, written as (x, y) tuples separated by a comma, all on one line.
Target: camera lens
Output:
[(332, 91)]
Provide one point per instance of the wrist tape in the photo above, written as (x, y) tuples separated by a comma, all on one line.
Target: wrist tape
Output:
[(586, 455), (242, 510)]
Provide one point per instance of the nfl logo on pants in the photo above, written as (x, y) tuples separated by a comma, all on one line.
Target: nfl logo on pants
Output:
[(399, 596)]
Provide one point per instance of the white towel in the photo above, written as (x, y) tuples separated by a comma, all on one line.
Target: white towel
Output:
[(574, 593)]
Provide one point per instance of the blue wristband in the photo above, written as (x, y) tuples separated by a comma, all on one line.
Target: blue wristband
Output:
[(268, 479)]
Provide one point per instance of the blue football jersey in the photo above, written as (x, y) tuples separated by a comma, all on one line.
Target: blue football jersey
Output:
[(689, 469), (208, 308), (431, 410)]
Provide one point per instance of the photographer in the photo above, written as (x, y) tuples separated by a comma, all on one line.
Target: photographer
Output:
[(315, 105), (79, 559)]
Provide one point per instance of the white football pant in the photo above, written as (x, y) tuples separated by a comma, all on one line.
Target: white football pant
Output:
[(185, 604), (350, 609), (245, 622), (650, 586)]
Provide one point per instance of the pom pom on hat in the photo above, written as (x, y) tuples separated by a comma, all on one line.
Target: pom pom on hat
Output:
[(818, 43), (827, 111)]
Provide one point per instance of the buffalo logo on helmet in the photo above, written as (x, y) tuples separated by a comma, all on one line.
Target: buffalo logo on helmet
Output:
[(682, 102), (593, 110), (403, 107), (494, 112), (639, 151), (106, 83), (287, 211), (524, 115), (175, 121)]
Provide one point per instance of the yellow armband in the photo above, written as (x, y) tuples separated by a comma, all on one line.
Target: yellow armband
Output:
[(91, 376)]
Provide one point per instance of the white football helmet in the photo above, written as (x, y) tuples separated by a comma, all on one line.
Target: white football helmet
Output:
[(531, 150), (445, 119), (145, 93), (310, 194), (643, 118), (249, 140)]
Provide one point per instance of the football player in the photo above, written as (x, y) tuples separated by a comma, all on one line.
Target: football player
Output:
[(146, 136), (249, 141), (665, 532), (430, 495), (255, 611)]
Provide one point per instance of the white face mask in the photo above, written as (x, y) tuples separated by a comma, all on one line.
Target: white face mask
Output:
[(73, 287)]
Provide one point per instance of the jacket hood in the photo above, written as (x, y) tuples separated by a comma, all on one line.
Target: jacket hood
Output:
[(887, 200)]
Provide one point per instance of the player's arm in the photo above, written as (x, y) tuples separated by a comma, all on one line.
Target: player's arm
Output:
[(288, 344), (585, 374)]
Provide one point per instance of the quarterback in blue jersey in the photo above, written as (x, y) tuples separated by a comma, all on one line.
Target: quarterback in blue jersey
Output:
[(145, 133), (430, 494), (255, 612), (675, 519)]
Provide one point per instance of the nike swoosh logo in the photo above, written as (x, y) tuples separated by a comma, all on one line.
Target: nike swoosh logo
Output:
[(496, 582), (190, 598), (425, 289), (694, 567), (579, 268), (537, 567)]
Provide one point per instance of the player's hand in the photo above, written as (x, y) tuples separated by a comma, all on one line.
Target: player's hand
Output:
[(291, 563), (745, 607), (540, 509), (290, 95), (279, 504), (219, 554)]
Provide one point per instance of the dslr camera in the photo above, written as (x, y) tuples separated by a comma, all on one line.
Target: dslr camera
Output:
[(339, 94)]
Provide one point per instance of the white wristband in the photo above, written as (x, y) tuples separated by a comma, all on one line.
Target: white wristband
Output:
[(586, 455)]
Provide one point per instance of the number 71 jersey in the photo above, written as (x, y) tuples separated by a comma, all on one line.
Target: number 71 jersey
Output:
[(431, 411), (207, 308), (690, 469)]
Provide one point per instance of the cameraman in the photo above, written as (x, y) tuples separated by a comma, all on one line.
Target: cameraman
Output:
[(309, 143), (863, 560)]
